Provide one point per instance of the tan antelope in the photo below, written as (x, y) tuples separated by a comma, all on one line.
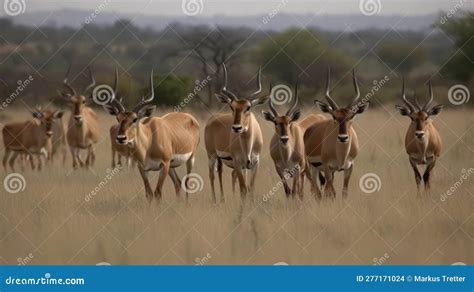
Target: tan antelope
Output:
[(235, 139), (331, 144), (83, 127), (156, 143), (287, 146), (422, 141), (30, 138)]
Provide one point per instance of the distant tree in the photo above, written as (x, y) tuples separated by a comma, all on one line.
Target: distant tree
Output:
[(170, 90), (401, 56), (210, 47), (285, 55), (461, 30)]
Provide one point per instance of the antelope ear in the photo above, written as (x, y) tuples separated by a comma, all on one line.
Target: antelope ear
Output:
[(268, 116), (361, 108), (435, 110), (111, 110), (146, 112), (260, 100), (223, 98), (404, 111), (63, 94), (296, 115), (324, 107), (58, 114), (37, 114)]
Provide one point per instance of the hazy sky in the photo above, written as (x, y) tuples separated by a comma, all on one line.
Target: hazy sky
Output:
[(248, 7)]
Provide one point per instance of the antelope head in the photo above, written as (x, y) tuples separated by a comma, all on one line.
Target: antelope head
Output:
[(46, 119), (129, 121), (283, 123), (241, 106), (420, 116), (78, 101), (342, 116)]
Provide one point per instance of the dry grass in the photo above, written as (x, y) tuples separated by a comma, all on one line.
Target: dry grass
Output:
[(52, 221)]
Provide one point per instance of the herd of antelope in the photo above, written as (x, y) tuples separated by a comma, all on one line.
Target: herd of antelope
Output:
[(315, 146)]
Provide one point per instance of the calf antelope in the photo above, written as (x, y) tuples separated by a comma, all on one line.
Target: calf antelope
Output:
[(287, 146), (30, 138), (156, 143), (235, 139), (422, 141), (83, 128), (117, 149), (332, 144)]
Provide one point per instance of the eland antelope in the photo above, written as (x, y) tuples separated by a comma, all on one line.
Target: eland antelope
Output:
[(422, 141), (83, 128), (156, 143), (287, 146), (331, 144), (235, 139), (30, 138)]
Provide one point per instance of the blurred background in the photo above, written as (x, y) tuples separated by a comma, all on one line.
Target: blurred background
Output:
[(186, 42)]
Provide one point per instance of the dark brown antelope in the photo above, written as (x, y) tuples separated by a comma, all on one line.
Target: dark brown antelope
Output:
[(331, 144), (83, 127), (235, 139), (422, 141), (156, 143), (287, 146), (30, 138)]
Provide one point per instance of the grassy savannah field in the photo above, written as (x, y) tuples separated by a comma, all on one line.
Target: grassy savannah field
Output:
[(51, 222)]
